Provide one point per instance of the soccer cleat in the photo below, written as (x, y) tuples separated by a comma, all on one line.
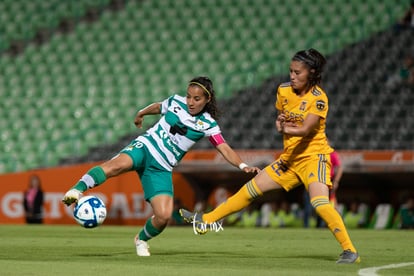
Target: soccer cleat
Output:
[(142, 247), (71, 196), (199, 226), (188, 216), (348, 257)]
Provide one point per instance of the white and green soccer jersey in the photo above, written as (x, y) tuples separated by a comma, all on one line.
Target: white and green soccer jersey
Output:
[(177, 131)]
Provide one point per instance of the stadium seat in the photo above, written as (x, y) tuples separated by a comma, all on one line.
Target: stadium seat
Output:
[(133, 56)]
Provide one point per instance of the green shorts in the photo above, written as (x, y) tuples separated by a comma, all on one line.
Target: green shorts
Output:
[(155, 179)]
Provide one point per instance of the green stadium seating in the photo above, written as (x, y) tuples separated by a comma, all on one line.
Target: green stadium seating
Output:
[(84, 87), (21, 20)]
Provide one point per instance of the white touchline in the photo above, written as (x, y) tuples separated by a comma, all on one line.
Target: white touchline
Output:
[(371, 271)]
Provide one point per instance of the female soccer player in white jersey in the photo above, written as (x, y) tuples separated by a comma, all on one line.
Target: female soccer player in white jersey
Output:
[(153, 155)]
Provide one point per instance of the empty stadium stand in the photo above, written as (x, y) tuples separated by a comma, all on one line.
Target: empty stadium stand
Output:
[(81, 88)]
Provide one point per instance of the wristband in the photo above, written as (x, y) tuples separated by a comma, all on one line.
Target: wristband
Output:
[(242, 166)]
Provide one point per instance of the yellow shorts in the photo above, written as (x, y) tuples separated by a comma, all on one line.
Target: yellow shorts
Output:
[(306, 170)]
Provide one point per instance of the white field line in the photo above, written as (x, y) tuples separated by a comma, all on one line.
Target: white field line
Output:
[(371, 271)]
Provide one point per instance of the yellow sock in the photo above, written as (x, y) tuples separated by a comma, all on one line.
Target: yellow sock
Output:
[(333, 220), (235, 203)]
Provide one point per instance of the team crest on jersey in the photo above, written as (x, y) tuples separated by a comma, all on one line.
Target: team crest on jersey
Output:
[(285, 101), (303, 106), (199, 125), (320, 105)]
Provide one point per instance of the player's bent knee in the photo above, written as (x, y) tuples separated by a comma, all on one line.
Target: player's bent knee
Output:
[(163, 216)]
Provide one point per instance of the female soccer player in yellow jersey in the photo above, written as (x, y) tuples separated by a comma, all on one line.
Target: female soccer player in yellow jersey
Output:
[(302, 107)]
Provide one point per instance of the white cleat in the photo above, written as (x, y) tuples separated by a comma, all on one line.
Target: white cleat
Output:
[(71, 196), (142, 248)]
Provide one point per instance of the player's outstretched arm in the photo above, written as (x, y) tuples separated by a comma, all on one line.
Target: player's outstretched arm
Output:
[(233, 158)]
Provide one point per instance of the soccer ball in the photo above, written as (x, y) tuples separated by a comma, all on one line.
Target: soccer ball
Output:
[(90, 211)]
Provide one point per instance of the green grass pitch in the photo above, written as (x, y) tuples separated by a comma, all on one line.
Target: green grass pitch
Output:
[(109, 250)]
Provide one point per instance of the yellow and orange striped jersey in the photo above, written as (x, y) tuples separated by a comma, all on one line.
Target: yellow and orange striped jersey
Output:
[(296, 108)]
